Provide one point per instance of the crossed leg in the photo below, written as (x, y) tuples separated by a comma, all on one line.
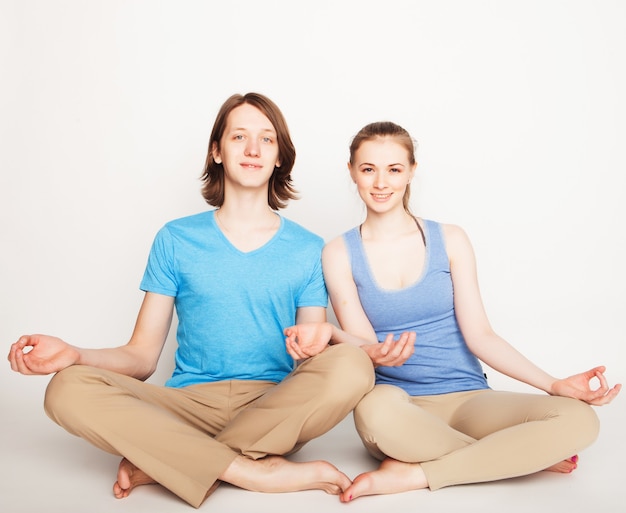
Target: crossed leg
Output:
[(269, 474), (489, 436), (278, 421)]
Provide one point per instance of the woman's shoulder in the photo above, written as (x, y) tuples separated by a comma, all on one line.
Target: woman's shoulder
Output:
[(338, 243), (335, 245), (337, 248), (455, 238), (452, 230)]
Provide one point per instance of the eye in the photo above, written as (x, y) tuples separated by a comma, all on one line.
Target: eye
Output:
[(367, 169), (395, 170), (238, 137), (267, 140)]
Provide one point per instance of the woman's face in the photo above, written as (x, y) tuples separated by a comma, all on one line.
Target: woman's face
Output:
[(381, 171)]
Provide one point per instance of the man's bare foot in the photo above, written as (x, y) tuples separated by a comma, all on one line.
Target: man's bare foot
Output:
[(274, 474), (392, 476), (129, 476), (565, 466)]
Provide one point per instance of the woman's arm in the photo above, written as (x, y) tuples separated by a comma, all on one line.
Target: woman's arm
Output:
[(473, 321), (493, 349), (42, 354), (304, 340), (344, 296)]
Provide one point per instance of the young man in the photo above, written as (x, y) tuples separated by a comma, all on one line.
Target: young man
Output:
[(237, 276)]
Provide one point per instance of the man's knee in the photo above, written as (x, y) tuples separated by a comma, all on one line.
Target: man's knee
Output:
[(63, 394), (346, 373), (353, 369)]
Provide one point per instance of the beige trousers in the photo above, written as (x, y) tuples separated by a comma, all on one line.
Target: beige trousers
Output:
[(477, 436), (184, 438)]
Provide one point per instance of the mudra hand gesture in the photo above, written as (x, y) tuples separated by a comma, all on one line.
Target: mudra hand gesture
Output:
[(579, 386)]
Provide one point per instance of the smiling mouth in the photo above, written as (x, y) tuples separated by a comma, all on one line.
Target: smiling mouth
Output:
[(381, 196)]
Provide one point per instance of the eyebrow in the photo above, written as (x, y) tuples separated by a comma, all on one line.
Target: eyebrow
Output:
[(270, 130), (388, 165)]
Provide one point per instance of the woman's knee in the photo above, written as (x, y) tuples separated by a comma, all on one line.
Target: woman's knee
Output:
[(378, 408), (582, 420)]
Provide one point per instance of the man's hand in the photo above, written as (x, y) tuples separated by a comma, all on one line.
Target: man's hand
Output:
[(41, 354), (307, 339)]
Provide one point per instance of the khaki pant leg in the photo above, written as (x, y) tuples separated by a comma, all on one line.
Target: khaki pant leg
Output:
[(391, 424), (154, 427), (315, 397), (516, 434)]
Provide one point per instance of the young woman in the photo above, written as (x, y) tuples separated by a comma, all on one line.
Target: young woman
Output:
[(432, 418), (237, 276)]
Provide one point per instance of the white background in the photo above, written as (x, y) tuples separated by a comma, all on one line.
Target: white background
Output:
[(518, 107)]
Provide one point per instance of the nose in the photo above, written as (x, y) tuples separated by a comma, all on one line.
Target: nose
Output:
[(379, 181), (252, 148)]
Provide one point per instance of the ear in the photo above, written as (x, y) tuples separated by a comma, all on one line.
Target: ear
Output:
[(215, 153), (412, 172), (352, 172)]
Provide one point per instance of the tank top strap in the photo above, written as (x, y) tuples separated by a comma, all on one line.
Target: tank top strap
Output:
[(435, 244), (356, 253)]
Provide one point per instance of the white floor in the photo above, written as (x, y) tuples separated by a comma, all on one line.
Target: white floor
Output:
[(45, 469)]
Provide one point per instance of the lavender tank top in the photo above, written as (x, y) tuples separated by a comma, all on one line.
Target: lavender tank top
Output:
[(442, 362)]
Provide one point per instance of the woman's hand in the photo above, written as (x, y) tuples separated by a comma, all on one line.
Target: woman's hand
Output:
[(307, 339), (41, 354), (579, 387), (391, 353)]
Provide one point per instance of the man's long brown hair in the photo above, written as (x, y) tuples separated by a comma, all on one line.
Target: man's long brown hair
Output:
[(281, 189)]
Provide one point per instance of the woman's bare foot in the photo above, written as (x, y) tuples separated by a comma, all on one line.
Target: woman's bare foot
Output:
[(565, 466), (275, 474), (129, 476), (392, 476)]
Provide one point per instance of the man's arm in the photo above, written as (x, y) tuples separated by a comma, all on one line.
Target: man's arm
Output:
[(43, 354)]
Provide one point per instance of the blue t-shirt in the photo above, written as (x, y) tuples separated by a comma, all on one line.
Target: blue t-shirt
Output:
[(442, 362), (232, 306)]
